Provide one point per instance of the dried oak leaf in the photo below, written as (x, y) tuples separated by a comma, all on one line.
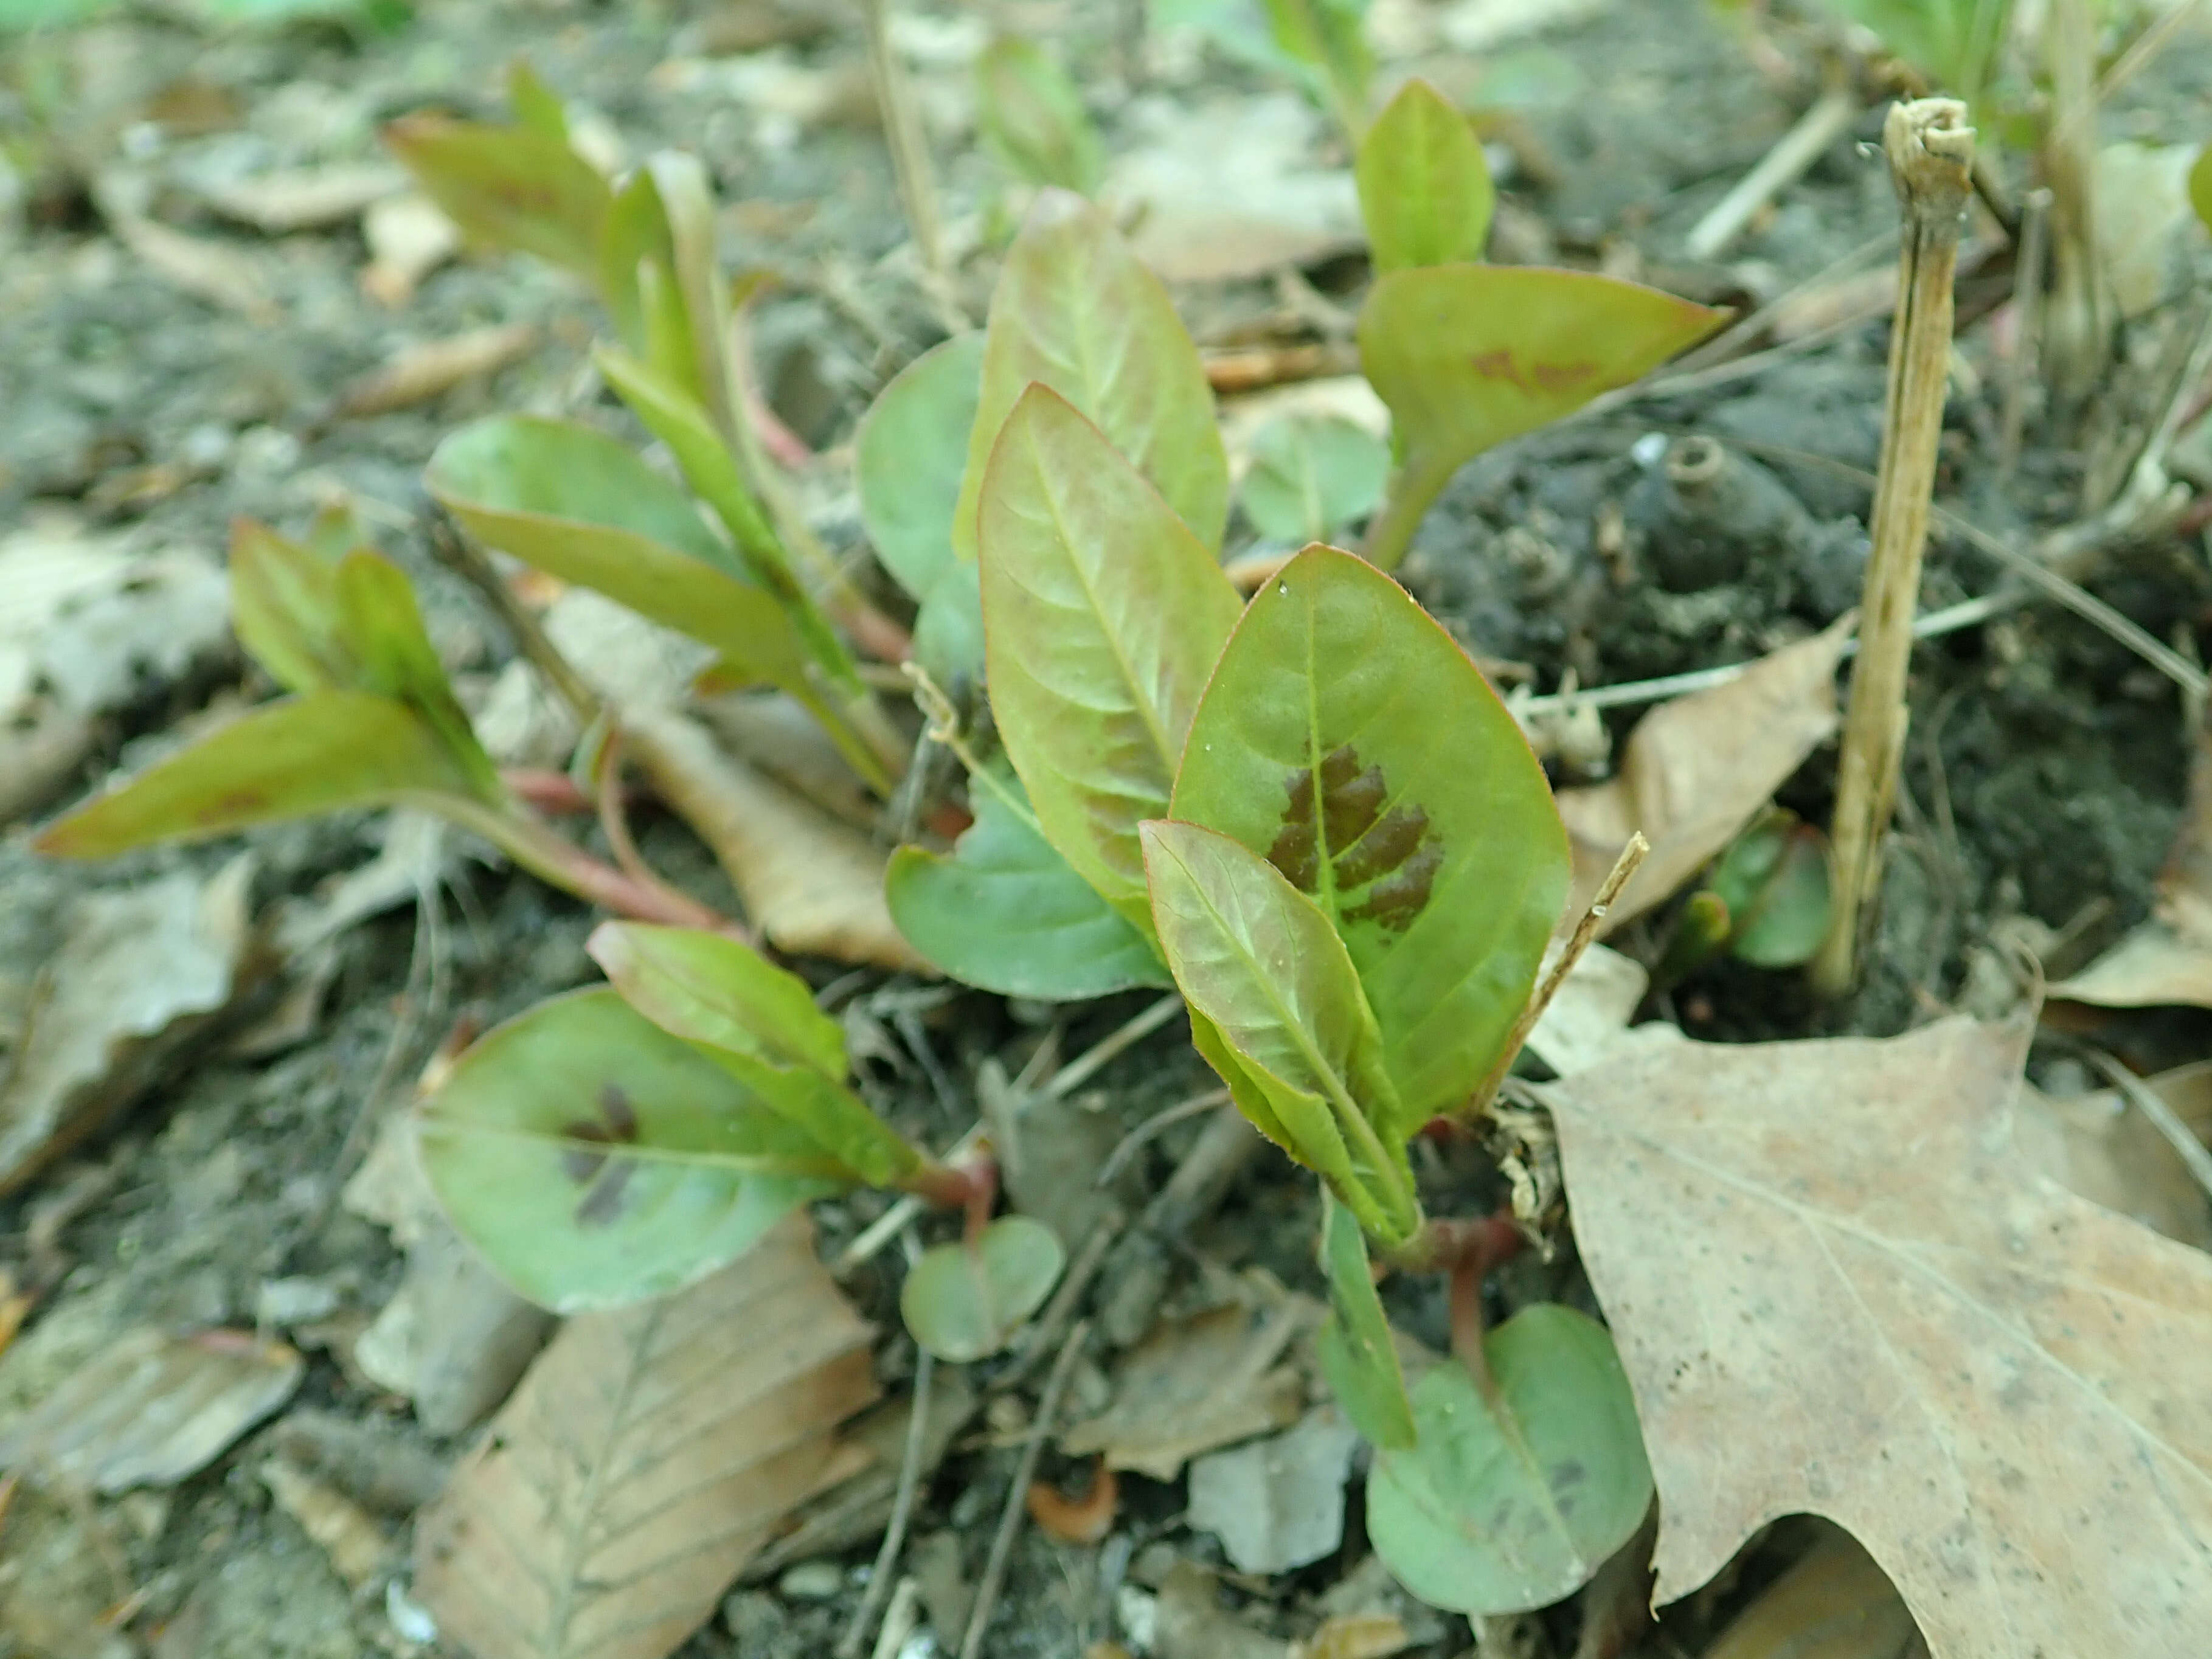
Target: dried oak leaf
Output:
[(2168, 958), (1839, 1289), (1695, 771), (649, 1451)]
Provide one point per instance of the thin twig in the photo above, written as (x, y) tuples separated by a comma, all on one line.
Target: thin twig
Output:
[(1158, 1124), (909, 1480), (900, 1620), (2148, 1101), (1931, 151), (1829, 118), (1010, 1518), (2021, 369), (910, 169), (1080, 1070)]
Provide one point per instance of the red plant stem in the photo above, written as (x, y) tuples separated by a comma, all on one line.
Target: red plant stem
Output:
[(561, 863), (970, 1187), (548, 791)]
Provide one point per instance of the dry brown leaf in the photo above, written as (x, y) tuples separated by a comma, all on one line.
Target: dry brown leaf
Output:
[(1192, 1623), (1194, 1384), (345, 1532), (1839, 1289), (209, 270), (140, 973), (2168, 959), (304, 198), (1835, 1603), (650, 1451), (1695, 770), (2102, 1147), (408, 236), (151, 1409), (810, 885), (1355, 1636), (434, 367)]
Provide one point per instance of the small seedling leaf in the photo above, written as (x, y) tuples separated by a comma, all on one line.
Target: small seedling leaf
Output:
[(299, 758), (593, 1159), (1007, 913), (1310, 475), (510, 188), (908, 459), (1424, 189), (1358, 1356), (1259, 959), (1469, 355), (1103, 616), (1076, 311), (1774, 881), (1511, 1501), (380, 628), (637, 283), (673, 415), (579, 505), (710, 989), (1346, 739), (964, 1301), (1032, 117), (537, 106), (1326, 40), (284, 606)]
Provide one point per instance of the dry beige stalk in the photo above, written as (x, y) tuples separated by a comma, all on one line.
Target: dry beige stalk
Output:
[(1931, 152)]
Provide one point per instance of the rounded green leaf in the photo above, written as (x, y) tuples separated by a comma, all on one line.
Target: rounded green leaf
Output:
[(1782, 923), (1004, 912), (295, 759), (908, 457), (577, 504), (1357, 1355), (1347, 739), (512, 187), (962, 1302), (1508, 1505), (1424, 189), (593, 1159), (1103, 616), (1311, 474), (1076, 311)]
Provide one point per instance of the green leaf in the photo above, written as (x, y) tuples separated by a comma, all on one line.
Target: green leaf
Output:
[(676, 419), (686, 198), (319, 753), (1469, 355), (593, 1159), (828, 1112), (1076, 310), (381, 628), (2200, 186), (537, 106), (1348, 738), (1032, 117), (1004, 912), (964, 1301), (284, 606), (510, 188), (908, 459), (1953, 42), (579, 505), (1425, 190), (1257, 958), (1775, 881), (711, 988), (637, 283), (1310, 474), (1358, 1356), (1509, 1504), (1328, 39), (1701, 932), (1103, 615)]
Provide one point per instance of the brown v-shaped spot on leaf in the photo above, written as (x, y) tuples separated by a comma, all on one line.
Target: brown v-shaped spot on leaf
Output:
[(602, 1181), (1392, 854)]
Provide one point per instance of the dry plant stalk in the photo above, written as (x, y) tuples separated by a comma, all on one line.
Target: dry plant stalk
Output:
[(1930, 149)]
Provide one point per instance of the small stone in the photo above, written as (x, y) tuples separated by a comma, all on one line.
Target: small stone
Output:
[(756, 1618), (297, 1301), (812, 1580)]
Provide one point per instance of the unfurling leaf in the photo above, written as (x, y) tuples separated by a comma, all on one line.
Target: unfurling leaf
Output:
[(510, 188), (1007, 913), (1312, 475), (593, 1159), (1347, 739), (1075, 311), (381, 629), (964, 1301), (284, 606), (1510, 1500), (1774, 881), (580, 505), (1996, 1387), (319, 753), (1358, 1356), (1032, 117), (1258, 959), (637, 283), (759, 1023), (647, 1455), (1424, 189), (1469, 355), (1103, 616), (908, 459)]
